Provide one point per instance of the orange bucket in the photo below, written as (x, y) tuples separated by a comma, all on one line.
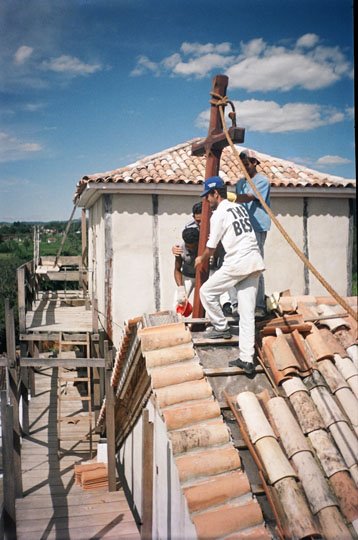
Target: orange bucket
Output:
[(185, 308)]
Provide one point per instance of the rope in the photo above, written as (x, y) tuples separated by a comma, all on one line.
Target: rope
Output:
[(221, 102), (65, 234)]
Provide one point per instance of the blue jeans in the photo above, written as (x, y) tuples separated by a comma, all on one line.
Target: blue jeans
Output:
[(260, 298)]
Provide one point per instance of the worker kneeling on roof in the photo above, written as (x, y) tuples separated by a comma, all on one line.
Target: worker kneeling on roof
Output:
[(242, 266)]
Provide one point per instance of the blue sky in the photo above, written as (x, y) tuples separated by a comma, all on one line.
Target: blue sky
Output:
[(89, 86)]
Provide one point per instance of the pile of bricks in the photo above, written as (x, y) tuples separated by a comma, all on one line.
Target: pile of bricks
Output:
[(91, 475)]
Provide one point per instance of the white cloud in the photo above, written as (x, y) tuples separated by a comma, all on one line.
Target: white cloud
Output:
[(281, 70), (13, 149), (22, 54), (198, 49), (144, 65), (271, 117), (259, 66), (7, 185), (307, 41), (33, 107), (201, 66), (252, 48), (332, 160), (171, 61), (70, 65)]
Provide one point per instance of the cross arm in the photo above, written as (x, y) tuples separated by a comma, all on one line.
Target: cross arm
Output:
[(216, 142)]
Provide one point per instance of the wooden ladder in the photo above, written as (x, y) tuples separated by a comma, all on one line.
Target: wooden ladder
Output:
[(65, 393)]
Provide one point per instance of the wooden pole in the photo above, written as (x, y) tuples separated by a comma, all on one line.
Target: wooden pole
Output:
[(147, 477), (83, 283), (21, 299), (110, 421), (24, 393), (7, 428), (213, 155), (14, 395)]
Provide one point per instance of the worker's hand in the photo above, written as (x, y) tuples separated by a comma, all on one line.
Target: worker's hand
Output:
[(181, 294), (198, 261), (177, 250)]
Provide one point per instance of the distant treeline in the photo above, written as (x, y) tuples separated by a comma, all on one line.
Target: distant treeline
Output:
[(16, 248)]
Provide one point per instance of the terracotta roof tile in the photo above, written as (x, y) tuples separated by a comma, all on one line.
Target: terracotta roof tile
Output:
[(227, 519), (346, 493), (330, 490), (204, 435), (217, 490), (186, 415), (186, 391), (207, 463), (178, 165)]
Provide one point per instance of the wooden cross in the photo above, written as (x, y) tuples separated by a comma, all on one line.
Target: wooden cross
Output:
[(212, 147)]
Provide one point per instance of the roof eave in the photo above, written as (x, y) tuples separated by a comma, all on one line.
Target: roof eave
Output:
[(93, 190)]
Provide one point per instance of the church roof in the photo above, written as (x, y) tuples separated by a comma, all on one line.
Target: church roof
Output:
[(176, 165)]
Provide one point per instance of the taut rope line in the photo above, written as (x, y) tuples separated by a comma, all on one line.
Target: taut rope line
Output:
[(221, 102)]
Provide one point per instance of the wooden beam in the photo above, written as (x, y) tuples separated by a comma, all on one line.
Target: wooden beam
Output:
[(24, 393), (83, 283), (21, 298), (71, 275), (14, 395), (110, 421), (40, 336), (147, 477), (62, 362), (7, 427)]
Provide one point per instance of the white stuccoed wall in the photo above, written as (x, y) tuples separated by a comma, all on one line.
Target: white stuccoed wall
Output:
[(171, 517), (328, 232), (135, 233), (96, 261), (284, 270)]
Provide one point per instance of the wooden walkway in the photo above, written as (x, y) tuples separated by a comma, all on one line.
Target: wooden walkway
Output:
[(54, 507), (58, 315)]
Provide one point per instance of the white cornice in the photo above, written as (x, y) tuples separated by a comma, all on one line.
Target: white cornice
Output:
[(94, 190)]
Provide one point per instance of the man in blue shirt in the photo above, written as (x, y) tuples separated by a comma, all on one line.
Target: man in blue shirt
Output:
[(259, 218)]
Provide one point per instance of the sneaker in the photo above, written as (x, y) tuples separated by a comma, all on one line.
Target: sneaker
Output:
[(227, 309), (212, 333), (235, 312), (260, 313), (248, 367)]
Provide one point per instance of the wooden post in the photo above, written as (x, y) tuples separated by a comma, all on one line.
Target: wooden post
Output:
[(13, 395), (147, 476), (7, 428), (21, 299), (24, 393), (83, 283), (97, 373), (34, 352), (212, 147), (110, 421)]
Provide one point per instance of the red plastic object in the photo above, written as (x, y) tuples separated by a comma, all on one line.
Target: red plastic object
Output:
[(185, 308)]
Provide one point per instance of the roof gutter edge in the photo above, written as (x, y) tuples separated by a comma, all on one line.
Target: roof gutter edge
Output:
[(94, 190)]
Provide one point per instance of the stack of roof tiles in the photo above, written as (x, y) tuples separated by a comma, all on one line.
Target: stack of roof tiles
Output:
[(119, 361), (177, 165), (316, 492), (311, 436), (216, 489), (91, 475)]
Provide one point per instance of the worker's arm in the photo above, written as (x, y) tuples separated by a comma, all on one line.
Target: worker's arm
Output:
[(245, 197), (201, 259), (178, 276)]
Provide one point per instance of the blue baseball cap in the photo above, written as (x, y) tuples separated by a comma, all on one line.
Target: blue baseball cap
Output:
[(214, 182)]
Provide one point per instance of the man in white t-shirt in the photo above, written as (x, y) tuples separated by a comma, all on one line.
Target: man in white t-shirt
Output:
[(242, 266)]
